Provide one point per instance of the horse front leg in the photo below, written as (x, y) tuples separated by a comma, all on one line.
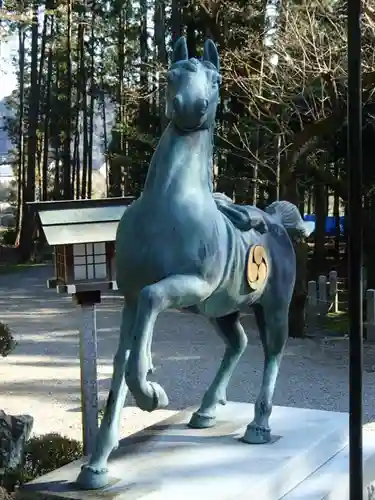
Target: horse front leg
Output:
[(151, 367), (273, 329), (174, 291), (94, 475), (230, 330)]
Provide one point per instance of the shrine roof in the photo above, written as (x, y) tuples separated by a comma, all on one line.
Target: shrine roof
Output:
[(80, 221)]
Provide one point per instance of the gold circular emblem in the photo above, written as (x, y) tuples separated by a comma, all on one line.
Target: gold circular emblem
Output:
[(257, 267)]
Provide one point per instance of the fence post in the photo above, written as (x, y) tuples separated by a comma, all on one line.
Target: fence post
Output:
[(333, 291), (311, 305), (322, 295), (370, 315)]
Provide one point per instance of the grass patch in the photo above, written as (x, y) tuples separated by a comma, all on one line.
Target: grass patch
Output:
[(337, 322)]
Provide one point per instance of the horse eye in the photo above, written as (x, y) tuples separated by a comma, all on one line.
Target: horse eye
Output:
[(216, 79)]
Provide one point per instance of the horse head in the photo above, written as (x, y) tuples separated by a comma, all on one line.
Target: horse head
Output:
[(193, 87)]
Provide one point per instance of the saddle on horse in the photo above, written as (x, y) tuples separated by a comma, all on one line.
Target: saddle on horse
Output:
[(246, 217)]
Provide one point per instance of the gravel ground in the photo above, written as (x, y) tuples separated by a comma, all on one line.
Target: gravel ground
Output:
[(41, 377)]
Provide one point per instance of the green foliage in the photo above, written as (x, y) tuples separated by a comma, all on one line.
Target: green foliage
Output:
[(7, 342), (49, 452), (337, 322), (8, 237), (43, 454), (95, 59), (4, 193)]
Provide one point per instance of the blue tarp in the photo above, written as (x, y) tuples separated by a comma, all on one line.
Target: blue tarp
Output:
[(330, 223)]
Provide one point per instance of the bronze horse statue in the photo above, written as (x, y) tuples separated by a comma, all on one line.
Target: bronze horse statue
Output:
[(179, 245)]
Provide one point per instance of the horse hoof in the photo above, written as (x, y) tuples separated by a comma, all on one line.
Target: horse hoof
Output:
[(257, 434), (160, 398), (199, 421), (91, 478)]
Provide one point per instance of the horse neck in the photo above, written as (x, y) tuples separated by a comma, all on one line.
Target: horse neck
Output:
[(181, 163)]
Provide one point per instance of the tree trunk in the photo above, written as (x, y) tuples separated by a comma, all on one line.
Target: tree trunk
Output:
[(77, 125), (104, 118), (27, 224), (115, 167), (143, 36), (320, 193), (56, 140), (336, 213), (77, 162), (83, 84), (21, 129), (91, 107), (176, 20), (66, 161), (47, 117), (162, 56), (40, 144), (191, 29), (297, 306)]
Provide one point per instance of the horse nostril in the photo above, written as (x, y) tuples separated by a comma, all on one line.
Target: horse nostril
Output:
[(202, 105), (177, 103)]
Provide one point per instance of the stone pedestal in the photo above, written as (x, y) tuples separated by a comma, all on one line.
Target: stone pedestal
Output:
[(169, 461), (331, 482)]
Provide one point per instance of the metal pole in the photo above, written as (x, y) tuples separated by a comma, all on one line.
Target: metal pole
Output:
[(355, 248)]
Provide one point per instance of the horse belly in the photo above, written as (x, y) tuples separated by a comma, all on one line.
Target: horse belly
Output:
[(233, 290)]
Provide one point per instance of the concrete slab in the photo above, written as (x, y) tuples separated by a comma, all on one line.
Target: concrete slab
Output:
[(331, 481), (169, 460)]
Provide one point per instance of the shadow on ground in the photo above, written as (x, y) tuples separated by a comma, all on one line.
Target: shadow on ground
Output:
[(186, 351)]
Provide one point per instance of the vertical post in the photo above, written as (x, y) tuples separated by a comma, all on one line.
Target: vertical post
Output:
[(322, 295), (333, 291), (311, 305), (355, 249), (88, 364), (311, 291), (370, 315)]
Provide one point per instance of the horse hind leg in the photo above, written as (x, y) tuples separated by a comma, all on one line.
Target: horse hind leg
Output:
[(273, 329), (230, 329)]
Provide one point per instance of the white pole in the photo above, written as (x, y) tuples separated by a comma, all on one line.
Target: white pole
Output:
[(89, 386)]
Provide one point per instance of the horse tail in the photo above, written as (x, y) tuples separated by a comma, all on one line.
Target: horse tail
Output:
[(289, 216)]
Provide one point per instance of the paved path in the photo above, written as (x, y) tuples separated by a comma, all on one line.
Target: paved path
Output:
[(41, 377)]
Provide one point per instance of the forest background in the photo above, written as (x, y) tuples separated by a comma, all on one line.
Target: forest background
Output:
[(91, 76)]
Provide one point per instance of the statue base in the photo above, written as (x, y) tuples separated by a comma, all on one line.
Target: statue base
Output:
[(170, 461)]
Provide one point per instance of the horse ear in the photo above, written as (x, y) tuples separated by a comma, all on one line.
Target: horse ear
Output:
[(211, 54), (180, 51)]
